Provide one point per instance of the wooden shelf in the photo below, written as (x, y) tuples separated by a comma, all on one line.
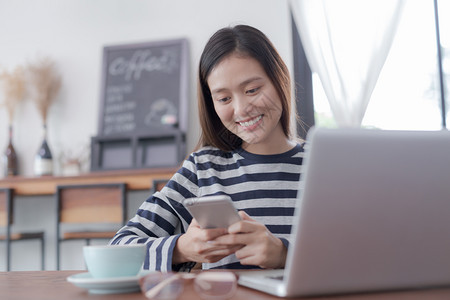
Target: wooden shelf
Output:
[(141, 179)]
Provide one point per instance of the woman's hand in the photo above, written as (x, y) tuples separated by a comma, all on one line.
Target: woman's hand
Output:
[(258, 245), (197, 245)]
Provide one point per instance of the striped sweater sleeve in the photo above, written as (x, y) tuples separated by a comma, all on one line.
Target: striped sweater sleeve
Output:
[(161, 219)]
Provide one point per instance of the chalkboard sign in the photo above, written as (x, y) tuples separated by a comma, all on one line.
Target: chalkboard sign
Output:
[(144, 88), (144, 106)]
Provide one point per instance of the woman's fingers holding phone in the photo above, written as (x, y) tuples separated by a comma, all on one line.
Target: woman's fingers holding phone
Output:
[(258, 245), (197, 245), (205, 234)]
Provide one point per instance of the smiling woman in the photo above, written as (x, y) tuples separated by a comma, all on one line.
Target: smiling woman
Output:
[(247, 104), (236, 63), (246, 151)]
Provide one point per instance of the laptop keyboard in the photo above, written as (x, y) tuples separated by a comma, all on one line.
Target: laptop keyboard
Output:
[(278, 277)]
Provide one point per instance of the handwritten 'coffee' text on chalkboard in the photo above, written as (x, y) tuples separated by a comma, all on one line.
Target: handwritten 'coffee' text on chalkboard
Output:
[(142, 60)]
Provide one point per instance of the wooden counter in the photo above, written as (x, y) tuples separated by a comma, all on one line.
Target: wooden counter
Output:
[(135, 179)]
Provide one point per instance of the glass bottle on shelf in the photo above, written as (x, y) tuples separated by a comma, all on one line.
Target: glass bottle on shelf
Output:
[(43, 161), (10, 157)]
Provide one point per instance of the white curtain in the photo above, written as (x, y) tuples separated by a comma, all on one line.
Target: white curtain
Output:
[(346, 43)]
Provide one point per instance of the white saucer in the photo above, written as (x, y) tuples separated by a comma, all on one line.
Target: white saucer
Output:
[(114, 285)]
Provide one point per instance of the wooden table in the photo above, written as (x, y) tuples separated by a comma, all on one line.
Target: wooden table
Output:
[(49, 285)]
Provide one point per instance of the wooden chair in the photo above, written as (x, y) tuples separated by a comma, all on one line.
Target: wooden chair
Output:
[(6, 221), (86, 206), (158, 184)]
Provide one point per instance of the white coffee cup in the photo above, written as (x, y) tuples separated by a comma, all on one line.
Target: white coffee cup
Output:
[(105, 261)]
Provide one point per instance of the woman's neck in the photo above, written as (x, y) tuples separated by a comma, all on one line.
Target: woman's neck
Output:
[(283, 144)]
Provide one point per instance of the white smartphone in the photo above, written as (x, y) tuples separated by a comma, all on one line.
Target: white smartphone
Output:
[(212, 211)]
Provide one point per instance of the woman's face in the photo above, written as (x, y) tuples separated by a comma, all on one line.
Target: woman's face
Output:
[(247, 102)]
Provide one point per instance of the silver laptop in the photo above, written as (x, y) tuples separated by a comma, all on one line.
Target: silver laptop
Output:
[(374, 215)]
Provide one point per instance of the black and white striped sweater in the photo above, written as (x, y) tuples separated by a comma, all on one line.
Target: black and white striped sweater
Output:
[(264, 186)]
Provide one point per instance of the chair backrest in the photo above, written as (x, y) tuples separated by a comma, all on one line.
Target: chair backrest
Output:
[(91, 203), (6, 212), (158, 184)]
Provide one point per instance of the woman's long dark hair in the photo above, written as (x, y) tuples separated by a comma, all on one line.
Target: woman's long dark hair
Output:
[(246, 41)]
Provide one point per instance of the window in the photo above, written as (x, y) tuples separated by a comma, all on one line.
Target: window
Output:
[(407, 94)]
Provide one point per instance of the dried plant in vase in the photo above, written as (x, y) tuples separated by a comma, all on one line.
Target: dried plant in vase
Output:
[(13, 87), (45, 83)]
